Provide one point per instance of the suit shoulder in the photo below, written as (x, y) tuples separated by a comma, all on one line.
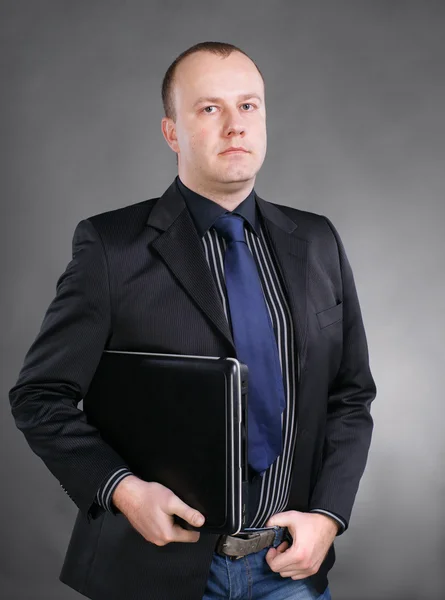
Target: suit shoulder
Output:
[(130, 212), (125, 220), (310, 224)]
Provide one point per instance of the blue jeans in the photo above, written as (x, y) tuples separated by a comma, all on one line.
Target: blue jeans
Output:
[(250, 578)]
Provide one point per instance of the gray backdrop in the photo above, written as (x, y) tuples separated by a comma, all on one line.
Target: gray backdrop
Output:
[(355, 103)]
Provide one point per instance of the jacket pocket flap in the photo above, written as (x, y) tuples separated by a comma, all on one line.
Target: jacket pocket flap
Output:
[(330, 315)]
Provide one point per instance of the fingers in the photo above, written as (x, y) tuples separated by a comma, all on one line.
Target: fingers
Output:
[(292, 570), (272, 553), (152, 516), (186, 512), (283, 519), (294, 574), (182, 535), (280, 561), (282, 547)]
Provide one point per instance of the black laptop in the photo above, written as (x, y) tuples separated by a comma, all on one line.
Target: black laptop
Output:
[(179, 420)]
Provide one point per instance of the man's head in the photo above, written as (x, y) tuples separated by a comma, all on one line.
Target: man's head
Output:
[(213, 96)]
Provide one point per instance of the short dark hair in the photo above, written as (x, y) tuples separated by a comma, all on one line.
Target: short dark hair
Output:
[(219, 48)]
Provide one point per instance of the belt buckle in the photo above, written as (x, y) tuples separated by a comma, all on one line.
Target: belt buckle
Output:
[(245, 536), (262, 538)]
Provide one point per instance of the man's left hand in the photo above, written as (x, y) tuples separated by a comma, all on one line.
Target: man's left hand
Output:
[(312, 535)]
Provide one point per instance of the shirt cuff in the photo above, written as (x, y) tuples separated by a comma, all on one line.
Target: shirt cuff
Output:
[(329, 514), (103, 496)]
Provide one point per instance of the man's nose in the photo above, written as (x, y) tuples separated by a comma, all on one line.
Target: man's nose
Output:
[(234, 124), (235, 129)]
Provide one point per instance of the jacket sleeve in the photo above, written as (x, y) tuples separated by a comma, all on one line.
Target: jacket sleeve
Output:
[(349, 423), (58, 369), (105, 492)]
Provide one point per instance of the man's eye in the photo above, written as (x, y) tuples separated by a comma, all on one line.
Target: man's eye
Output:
[(205, 109)]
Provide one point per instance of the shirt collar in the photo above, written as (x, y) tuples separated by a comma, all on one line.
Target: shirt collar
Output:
[(205, 211)]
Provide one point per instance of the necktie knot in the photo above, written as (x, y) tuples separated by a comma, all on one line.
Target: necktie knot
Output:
[(231, 227)]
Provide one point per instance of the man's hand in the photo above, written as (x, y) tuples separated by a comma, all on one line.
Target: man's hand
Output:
[(312, 535), (150, 507)]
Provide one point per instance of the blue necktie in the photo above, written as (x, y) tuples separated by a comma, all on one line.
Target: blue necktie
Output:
[(255, 344)]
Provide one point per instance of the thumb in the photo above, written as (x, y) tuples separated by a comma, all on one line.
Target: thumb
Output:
[(279, 520), (186, 512)]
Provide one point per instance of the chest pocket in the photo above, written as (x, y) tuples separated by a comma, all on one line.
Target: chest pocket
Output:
[(330, 315)]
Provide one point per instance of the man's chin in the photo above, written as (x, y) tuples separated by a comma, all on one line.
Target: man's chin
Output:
[(235, 177)]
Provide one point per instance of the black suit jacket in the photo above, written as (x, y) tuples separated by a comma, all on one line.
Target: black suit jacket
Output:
[(139, 280)]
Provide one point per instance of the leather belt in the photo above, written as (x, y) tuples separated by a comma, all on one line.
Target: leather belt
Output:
[(241, 544)]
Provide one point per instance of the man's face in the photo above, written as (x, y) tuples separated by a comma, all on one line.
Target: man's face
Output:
[(219, 103)]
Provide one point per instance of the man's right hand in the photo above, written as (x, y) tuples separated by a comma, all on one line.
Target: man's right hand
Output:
[(150, 506)]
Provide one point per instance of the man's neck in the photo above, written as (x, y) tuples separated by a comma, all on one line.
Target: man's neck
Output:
[(229, 197)]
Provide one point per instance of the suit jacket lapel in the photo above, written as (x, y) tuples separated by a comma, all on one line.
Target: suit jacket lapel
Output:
[(291, 254), (181, 248)]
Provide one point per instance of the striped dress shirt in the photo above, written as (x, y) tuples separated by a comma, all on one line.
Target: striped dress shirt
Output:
[(268, 494)]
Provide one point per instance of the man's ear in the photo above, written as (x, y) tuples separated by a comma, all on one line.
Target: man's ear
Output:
[(168, 127)]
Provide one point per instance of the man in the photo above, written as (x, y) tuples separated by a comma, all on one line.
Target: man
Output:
[(167, 275)]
